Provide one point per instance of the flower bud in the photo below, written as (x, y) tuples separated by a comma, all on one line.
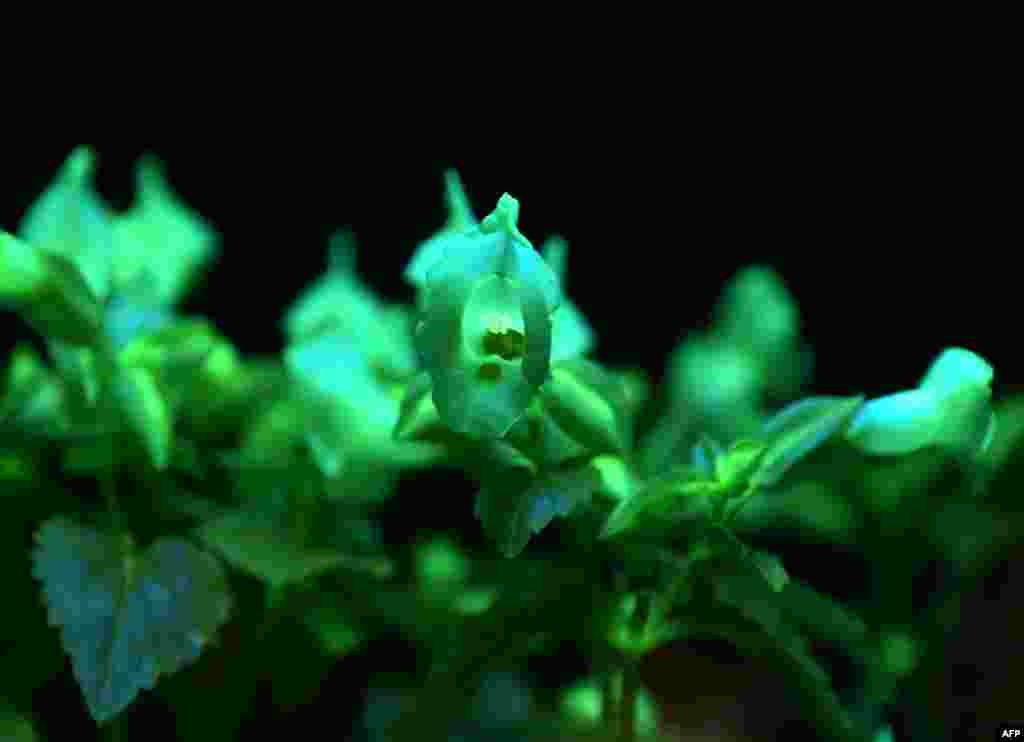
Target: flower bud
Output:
[(587, 404)]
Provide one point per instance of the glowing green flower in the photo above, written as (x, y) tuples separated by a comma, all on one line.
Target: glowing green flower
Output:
[(350, 414), (485, 336), (70, 219), (460, 219), (160, 244), (951, 408), (339, 303)]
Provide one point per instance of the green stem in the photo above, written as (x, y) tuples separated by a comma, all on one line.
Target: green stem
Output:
[(610, 685), (627, 709), (108, 485)]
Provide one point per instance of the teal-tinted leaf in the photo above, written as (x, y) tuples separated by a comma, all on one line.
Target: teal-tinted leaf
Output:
[(799, 429), (260, 544), (706, 453), (125, 320), (559, 493), (126, 619)]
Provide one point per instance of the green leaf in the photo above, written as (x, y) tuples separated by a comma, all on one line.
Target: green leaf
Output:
[(259, 543), (15, 728), (23, 271), (504, 504), (790, 653), (734, 467), (799, 429), (64, 306), (34, 398), (583, 705), (143, 411), (589, 405), (822, 616), (770, 567), (338, 633), (126, 619), (683, 494)]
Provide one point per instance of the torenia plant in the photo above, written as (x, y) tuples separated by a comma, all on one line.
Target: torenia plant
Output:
[(221, 476)]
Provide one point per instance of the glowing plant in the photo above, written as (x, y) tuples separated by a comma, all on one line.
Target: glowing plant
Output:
[(287, 462)]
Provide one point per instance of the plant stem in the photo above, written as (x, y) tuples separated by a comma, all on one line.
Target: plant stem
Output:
[(627, 709), (108, 485), (610, 700)]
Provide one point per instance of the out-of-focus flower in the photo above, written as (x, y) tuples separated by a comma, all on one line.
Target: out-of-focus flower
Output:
[(951, 408)]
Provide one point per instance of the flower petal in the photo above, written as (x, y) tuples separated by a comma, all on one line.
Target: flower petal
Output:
[(897, 423)]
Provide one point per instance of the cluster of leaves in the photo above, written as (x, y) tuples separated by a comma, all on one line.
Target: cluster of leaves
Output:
[(277, 467)]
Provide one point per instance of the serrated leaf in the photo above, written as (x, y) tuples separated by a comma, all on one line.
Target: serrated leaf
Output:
[(258, 543), (799, 429), (126, 620)]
